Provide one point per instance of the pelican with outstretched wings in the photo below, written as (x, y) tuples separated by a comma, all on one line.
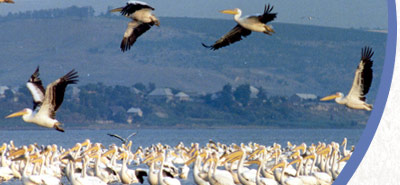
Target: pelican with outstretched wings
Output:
[(245, 26), (46, 103), (124, 140), (142, 20), (355, 99)]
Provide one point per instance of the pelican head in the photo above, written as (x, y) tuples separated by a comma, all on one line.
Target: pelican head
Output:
[(331, 97), (231, 11), (23, 112)]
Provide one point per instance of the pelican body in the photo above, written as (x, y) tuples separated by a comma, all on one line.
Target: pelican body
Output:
[(245, 26), (46, 103), (142, 20), (355, 99)]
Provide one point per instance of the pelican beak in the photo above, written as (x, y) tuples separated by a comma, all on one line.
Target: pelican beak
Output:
[(253, 162), (232, 159), (229, 11), (85, 143), (3, 147), (344, 141), (309, 157), (330, 97), (19, 113), (233, 156), (94, 148), (294, 161), (324, 151), (17, 152), (123, 156), (150, 158), (269, 28), (279, 165), (112, 151), (116, 10), (190, 161), (37, 160), (300, 147), (295, 154), (344, 158)]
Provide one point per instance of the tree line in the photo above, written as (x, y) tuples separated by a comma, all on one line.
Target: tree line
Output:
[(91, 104)]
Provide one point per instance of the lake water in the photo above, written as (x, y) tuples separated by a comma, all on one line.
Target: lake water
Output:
[(147, 137)]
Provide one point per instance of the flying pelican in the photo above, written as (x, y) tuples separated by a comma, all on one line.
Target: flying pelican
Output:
[(142, 20), (45, 104), (245, 26), (7, 1), (124, 140), (355, 99)]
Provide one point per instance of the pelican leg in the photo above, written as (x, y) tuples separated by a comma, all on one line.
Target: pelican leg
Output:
[(58, 127)]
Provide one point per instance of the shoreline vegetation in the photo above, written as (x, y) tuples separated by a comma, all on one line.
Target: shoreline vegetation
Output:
[(97, 106)]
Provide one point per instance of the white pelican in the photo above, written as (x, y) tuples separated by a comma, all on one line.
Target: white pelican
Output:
[(355, 99), (45, 104), (283, 179), (142, 20), (245, 175), (262, 180), (245, 26), (217, 176), (165, 180), (129, 176)]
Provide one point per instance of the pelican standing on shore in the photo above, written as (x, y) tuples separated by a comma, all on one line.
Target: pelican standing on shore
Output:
[(355, 99), (46, 103), (142, 20), (245, 26)]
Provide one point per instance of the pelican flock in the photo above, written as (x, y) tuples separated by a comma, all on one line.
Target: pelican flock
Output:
[(92, 163), (212, 164)]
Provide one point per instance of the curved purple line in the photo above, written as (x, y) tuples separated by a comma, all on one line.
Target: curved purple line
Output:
[(379, 105)]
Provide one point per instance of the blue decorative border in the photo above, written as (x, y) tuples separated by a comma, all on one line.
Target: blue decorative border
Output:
[(380, 101)]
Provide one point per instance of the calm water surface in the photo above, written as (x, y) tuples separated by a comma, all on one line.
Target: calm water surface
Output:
[(147, 137)]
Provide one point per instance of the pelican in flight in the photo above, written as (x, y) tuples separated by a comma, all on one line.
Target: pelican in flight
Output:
[(245, 26), (355, 99), (7, 1), (46, 103), (142, 20), (124, 140)]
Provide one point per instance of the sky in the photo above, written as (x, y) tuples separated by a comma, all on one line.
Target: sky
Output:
[(370, 14)]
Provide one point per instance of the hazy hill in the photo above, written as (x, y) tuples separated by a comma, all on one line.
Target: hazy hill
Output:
[(297, 58)]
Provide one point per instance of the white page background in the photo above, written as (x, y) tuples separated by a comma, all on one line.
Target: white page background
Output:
[(381, 164)]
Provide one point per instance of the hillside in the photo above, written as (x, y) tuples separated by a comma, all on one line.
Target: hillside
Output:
[(298, 58)]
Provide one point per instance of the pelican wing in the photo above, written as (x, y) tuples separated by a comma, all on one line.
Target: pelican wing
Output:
[(363, 75), (267, 16), (140, 173), (55, 93), (133, 134), (134, 30), (36, 88), (117, 136), (232, 36), (133, 6)]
